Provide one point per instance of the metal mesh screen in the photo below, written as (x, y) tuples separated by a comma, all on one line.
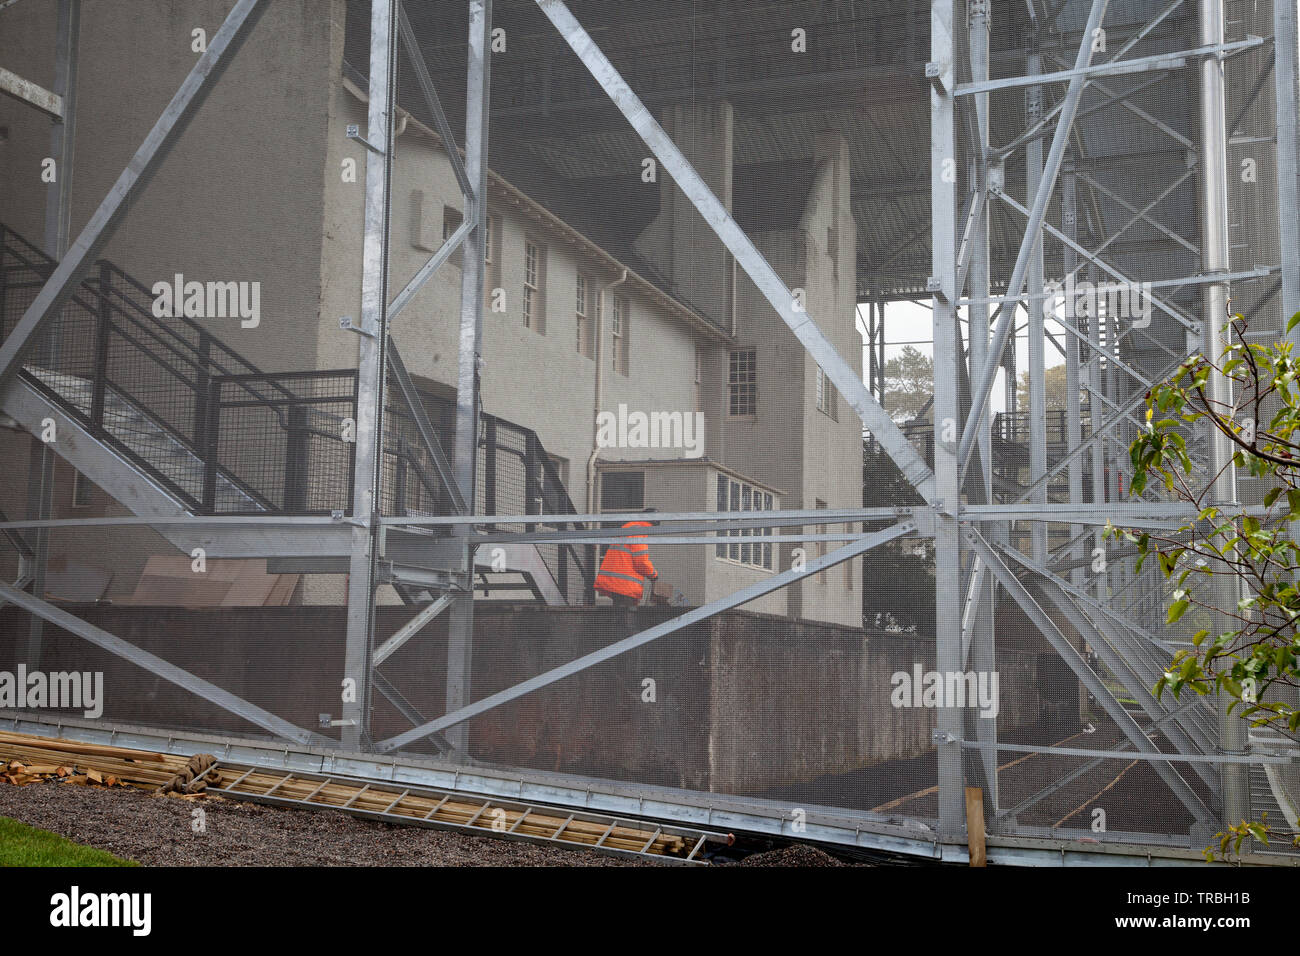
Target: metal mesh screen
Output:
[(275, 384)]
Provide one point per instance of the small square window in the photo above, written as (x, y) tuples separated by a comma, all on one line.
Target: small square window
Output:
[(622, 491)]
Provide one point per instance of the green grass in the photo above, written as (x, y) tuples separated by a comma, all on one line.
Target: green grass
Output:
[(21, 845)]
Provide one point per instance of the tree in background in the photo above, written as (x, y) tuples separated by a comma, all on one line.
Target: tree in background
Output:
[(897, 577), (1053, 388), (909, 384)]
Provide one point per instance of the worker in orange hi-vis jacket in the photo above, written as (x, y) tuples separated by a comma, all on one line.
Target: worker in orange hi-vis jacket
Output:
[(626, 568)]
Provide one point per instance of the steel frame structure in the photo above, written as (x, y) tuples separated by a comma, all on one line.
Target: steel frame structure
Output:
[(972, 535)]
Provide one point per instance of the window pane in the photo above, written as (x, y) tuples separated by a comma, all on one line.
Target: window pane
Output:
[(744, 506), (735, 506), (721, 549), (622, 491), (742, 382), (767, 548)]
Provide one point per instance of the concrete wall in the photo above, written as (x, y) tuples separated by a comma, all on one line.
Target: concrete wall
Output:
[(741, 703)]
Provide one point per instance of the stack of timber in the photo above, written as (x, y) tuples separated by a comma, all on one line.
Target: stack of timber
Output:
[(29, 759)]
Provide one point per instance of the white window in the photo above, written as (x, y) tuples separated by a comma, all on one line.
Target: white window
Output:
[(583, 325), (618, 331), (534, 276), (827, 399), (734, 495), (742, 382)]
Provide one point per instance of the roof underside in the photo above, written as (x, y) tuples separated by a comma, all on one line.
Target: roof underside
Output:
[(556, 135)]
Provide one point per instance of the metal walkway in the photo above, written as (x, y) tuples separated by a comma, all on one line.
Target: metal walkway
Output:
[(449, 810)]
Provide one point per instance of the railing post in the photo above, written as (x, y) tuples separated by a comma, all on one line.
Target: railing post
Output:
[(295, 461), (201, 390), (490, 469), (530, 478), (589, 580), (213, 431), (103, 326), (399, 483)]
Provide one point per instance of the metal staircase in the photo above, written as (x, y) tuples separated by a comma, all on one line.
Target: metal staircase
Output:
[(170, 421)]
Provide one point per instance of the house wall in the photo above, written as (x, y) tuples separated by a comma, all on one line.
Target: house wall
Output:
[(238, 198)]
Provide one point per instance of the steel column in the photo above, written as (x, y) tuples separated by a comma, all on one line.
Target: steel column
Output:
[(370, 377), (1037, 421), (982, 653), (58, 203), (1287, 114), (947, 353), (460, 634), (1073, 412), (1214, 299)]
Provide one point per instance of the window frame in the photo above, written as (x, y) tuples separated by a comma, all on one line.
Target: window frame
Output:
[(742, 383), (534, 299), (731, 495), (582, 314), (619, 327), (605, 508), (82, 486), (827, 398)]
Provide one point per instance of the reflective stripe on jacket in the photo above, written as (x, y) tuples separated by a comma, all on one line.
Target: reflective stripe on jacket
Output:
[(626, 566)]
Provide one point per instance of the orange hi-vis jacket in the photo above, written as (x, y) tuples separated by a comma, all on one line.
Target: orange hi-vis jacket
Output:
[(625, 567)]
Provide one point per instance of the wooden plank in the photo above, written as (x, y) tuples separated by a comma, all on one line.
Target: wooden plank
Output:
[(72, 746), (975, 825)]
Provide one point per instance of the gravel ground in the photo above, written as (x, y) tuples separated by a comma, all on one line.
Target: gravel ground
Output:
[(800, 855), (157, 831)]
